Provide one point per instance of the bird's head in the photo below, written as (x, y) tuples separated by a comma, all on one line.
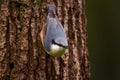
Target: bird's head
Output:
[(57, 50)]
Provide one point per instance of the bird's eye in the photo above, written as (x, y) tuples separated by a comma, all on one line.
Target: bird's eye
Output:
[(53, 42)]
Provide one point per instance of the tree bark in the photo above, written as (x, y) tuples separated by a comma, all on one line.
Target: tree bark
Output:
[(22, 56)]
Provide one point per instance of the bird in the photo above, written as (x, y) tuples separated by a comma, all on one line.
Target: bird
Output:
[(53, 36)]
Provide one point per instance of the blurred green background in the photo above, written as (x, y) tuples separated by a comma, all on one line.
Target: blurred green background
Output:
[(103, 19)]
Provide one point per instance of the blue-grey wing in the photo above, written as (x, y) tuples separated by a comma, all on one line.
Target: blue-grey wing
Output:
[(50, 33), (61, 38)]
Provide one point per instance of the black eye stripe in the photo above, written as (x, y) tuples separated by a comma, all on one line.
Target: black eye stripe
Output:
[(53, 42)]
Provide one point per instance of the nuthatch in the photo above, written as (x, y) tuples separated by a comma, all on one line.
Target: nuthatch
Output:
[(53, 35)]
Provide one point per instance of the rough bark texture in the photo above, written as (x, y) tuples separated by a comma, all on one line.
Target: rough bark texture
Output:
[(22, 56)]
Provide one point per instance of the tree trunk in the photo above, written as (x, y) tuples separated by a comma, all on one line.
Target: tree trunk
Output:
[(22, 56)]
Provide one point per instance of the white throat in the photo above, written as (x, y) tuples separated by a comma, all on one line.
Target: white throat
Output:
[(55, 47)]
